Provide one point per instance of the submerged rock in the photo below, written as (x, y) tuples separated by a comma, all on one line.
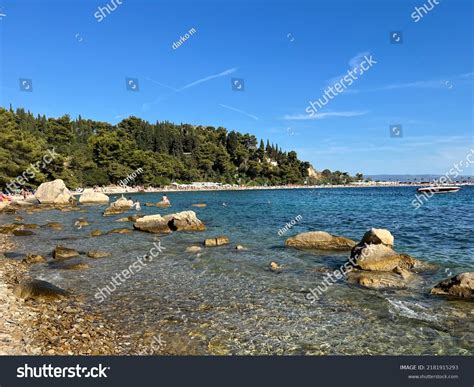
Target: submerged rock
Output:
[(181, 221), (37, 289), (163, 204), (31, 259), (98, 254), (193, 249), (95, 233), (61, 253), (320, 240), (55, 225), (218, 241), (131, 218), (70, 265), (89, 196), (23, 233), (54, 192), (120, 231), (240, 247), (199, 205), (68, 209), (461, 285), (377, 279), (30, 226)]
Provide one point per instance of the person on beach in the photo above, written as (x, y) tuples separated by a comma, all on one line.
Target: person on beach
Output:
[(5, 198), (137, 206), (24, 193), (130, 202), (165, 199)]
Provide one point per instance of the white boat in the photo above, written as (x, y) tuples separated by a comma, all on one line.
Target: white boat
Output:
[(438, 189)]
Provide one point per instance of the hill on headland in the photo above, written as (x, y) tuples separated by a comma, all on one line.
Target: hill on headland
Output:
[(88, 153)]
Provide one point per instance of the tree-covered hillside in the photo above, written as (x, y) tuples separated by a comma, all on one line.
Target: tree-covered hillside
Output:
[(97, 153)]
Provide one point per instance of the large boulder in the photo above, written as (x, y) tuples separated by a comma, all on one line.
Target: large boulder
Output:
[(461, 285), (53, 192), (89, 196), (379, 257), (378, 236), (181, 221), (36, 289), (320, 240), (185, 221), (153, 223)]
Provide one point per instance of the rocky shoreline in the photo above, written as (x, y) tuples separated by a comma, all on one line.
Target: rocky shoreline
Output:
[(51, 327), (41, 319)]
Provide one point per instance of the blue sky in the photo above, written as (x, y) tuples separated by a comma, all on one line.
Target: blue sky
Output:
[(287, 53)]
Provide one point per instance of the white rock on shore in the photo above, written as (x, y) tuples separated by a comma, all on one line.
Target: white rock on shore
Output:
[(53, 192), (89, 196)]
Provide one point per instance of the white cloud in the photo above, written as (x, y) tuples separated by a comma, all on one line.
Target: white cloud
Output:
[(208, 78), (147, 105), (358, 59), (161, 84), (446, 83), (239, 111), (355, 61), (320, 116)]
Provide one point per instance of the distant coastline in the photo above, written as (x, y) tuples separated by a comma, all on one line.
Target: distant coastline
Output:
[(111, 190)]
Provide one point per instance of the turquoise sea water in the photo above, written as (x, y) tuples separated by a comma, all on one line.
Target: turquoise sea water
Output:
[(221, 300)]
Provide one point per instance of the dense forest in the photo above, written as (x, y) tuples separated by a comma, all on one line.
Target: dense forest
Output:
[(92, 153)]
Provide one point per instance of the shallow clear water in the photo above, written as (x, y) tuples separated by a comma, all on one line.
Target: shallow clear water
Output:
[(226, 301)]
